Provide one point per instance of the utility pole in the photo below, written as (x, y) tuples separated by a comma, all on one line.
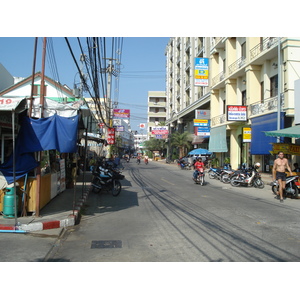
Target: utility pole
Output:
[(279, 89), (110, 71)]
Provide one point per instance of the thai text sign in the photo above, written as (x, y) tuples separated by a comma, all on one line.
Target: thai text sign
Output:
[(121, 113), (110, 136), (201, 71), (202, 114), (160, 130), (246, 135), (236, 113), (202, 123)]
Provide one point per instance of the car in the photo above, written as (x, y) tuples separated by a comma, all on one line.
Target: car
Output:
[(190, 158)]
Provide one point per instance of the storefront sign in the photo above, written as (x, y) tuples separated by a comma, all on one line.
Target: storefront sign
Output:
[(201, 71), (247, 135), (160, 130), (199, 122), (202, 114), (121, 113), (291, 149), (236, 113), (110, 136)]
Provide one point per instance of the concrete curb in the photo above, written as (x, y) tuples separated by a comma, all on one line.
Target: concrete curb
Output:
[(71, 220)]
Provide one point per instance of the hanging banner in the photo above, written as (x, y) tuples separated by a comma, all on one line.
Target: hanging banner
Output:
[(201, 71)]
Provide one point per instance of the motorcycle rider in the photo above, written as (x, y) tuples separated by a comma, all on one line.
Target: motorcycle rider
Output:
[(146, 159), (198, 165), (279, 167)]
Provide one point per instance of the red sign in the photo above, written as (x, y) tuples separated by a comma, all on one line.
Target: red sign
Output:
[(110, 136)]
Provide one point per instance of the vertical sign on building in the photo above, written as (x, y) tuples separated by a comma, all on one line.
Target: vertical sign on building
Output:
[(201, 71), (111, 136)]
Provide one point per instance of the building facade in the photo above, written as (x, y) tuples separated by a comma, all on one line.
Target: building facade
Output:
[(250, 90), (183, 96), (157, 110)]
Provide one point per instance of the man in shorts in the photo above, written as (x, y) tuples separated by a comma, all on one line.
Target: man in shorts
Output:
[(280, 165)]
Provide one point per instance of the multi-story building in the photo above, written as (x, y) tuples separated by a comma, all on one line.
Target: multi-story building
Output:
[(247, 76), (184, 97), (156, 110)]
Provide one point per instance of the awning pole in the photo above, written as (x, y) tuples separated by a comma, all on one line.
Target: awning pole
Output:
[(279, 89), (14, 166)]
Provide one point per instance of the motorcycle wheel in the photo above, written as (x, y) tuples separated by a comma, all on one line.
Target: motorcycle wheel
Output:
[(233, 182), (258, 183), (95, 189), (202, 180), (274, 189), (296, 193), (225, 178), (211, 175), (116, 188)]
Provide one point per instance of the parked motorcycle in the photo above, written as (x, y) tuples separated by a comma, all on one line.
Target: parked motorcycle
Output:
[(105, 179), (226, 175), (183, 165), (249, 177), (215, 173), (291, 187)]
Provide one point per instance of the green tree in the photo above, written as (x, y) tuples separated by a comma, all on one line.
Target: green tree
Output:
[(155, 145), (181, 141)]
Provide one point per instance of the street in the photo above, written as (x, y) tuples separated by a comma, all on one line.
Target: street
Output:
[(161, 215)]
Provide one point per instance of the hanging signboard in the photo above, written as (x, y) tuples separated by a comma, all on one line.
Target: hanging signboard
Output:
[(121, 113), (247, 135), (202, 114), (201, 71), (203, 131), (160, 130), (110, 136), (199, 122), (236, 113)]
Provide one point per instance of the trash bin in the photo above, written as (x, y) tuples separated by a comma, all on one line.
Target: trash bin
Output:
[(9, 202)]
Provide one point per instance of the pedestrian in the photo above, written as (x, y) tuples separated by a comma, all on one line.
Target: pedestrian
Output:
[(296, 168), (279, 167)]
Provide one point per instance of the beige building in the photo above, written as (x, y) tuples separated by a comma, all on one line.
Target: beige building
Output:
[(245, 77), (156, 110)]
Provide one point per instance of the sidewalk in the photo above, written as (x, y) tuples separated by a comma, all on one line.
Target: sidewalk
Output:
[(62, 211)]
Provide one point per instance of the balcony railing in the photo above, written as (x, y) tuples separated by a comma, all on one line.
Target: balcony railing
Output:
[(218, 78), (261, 47), (236, 65), (218, 120), (264, 106)]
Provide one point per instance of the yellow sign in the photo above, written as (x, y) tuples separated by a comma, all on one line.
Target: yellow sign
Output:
[(286, 149), (247, 135)]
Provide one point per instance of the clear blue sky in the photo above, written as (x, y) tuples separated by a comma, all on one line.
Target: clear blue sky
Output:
[(142, 69)]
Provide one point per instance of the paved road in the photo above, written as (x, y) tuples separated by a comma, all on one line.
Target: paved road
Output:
[(162, 216)]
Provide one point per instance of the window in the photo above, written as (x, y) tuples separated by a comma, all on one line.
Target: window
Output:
[(243, 46), (262, 91), (244, 98), (37, 90), (274, 86)]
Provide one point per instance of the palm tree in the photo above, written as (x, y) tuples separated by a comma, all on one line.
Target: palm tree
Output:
[(181, 141), (155, 145)]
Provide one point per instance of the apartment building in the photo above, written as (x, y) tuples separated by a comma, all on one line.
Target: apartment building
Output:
[(247, 76), (184, 94), (157, 111)]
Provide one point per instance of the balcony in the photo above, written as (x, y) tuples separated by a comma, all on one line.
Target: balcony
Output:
[(236, 65), (266, 44), (221, 76), (264, 106), (221, 119)]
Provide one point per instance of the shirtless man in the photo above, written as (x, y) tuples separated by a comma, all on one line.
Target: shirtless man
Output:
[(280, 164)]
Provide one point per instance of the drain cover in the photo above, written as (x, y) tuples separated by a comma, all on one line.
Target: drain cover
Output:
[(106, 244)]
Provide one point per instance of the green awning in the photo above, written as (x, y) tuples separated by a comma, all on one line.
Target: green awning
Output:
[(292, 132), (217, 140)]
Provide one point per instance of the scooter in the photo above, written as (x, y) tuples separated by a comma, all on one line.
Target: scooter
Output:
[(249, 177), (146, 161), (291, 187), (200, 177)]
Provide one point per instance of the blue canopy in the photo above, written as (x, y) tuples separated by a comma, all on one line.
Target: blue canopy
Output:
[(200, 151)]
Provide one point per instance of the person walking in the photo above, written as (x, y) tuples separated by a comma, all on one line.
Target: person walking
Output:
[(279, 167)]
